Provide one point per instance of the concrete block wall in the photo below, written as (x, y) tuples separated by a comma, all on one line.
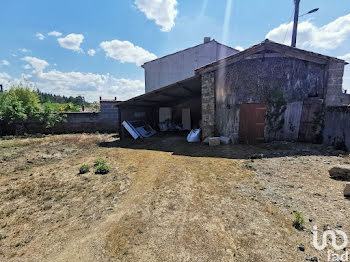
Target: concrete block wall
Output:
[(208, 104)]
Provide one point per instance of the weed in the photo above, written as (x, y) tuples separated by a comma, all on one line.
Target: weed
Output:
[(102, 168), (84, 169), (99, 161), (298, 221)]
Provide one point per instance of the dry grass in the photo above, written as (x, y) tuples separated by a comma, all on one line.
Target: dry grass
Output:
[(164, 200)]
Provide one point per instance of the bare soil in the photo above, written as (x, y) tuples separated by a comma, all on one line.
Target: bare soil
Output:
[(165, 200)]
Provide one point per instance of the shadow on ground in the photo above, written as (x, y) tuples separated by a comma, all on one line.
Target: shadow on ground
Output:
[(177, 144)]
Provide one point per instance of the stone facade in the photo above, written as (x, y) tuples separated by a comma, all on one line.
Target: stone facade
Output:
[(253, 81), (208, 104), (334, 92)]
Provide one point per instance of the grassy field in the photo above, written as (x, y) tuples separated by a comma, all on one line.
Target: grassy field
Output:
[(164, 200)]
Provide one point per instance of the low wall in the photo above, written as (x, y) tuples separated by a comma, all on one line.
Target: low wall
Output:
[(87, 122), (77, 122), (337, 127)]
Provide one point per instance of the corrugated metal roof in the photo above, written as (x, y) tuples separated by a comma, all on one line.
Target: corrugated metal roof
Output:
[(169, 95)]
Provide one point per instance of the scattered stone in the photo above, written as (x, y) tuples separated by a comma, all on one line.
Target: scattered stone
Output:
[(340, 172), (301, 248), (347, 190), (312, 259), (206, 140), (109, 208), (224, 140), (46, 207), (214, 141)]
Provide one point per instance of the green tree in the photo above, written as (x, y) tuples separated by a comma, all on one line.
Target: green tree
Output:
[(20, 105)]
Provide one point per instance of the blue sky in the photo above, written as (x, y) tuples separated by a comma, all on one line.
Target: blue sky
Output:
[(94, 48)]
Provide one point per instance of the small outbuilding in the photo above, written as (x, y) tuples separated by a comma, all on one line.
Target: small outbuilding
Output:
[(267, 92)]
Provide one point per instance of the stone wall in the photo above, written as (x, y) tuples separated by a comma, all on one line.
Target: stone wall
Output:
[(208, 104), (253, 81), (334, 92), (336, 130)]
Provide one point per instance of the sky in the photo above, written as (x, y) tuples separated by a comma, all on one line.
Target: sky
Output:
[(96, 48)]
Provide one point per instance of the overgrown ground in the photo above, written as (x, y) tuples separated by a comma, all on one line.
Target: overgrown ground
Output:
[(164, 200)]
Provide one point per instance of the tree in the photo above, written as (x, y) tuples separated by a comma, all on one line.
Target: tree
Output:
[(20, 106)]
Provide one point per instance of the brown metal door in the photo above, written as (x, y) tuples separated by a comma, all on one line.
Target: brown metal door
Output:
[(252, 123)]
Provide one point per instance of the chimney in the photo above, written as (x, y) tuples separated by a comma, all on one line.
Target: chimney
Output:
[(206, 39)]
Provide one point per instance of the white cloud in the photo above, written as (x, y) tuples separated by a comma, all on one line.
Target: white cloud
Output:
[(36, 63), (329, 36), (91, 52), (162, 11), (239, 48), (345, 57), (27, 67), (40, 36), (124, 51), (24, 50), (5, 62), (54, 33), (72, 42), (4, 76), (89, 85)]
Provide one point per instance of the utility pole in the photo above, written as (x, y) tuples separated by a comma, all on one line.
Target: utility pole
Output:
[(295, 25)]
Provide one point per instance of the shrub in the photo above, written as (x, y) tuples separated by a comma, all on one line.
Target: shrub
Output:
[(84, 169), (102, 168), (298, 221), (99, 161)]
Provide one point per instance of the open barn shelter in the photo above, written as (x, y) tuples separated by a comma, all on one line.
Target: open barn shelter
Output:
[(267, 92), (179, 103)]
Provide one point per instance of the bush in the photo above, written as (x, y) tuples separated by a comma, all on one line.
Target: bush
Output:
[(298, 221), (84, 169), (99, 161), (57, 107), (102, 168)]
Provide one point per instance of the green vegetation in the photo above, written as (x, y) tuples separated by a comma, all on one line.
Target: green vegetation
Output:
[(101, 166), (277, 105), (45, 97), (298, 221), (56, 107), (21, 106), (84, 169), (99, 161), (102, 169)]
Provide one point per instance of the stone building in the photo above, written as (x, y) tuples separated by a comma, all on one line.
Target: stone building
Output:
[(267, 92)]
